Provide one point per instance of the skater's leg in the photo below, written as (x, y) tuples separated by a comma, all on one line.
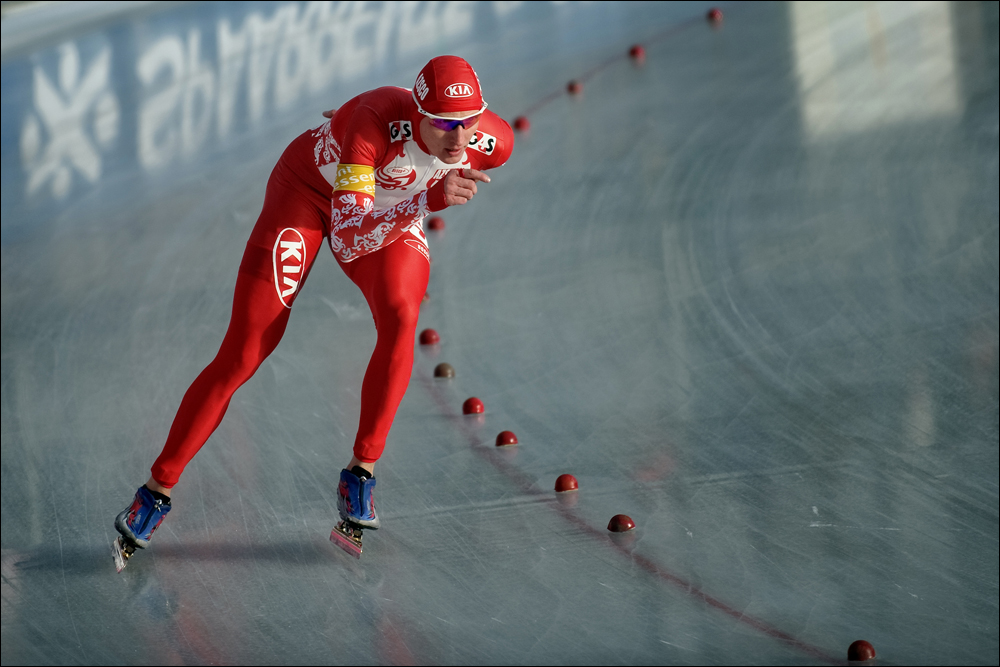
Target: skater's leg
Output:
[(278, 256), (255, 328), (394, 281)]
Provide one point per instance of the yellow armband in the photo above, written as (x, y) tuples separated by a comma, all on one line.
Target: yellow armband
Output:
[(355, 177)]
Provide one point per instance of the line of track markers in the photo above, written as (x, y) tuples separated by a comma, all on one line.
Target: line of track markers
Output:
[(527, 483)]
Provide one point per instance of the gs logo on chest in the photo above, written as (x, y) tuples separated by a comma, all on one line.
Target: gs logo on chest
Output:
[(484, 143), (400, 130)]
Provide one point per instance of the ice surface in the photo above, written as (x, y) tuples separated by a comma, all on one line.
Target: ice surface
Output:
[(746, 294)]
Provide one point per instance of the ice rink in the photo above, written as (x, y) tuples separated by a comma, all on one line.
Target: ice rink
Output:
[(746, 293)]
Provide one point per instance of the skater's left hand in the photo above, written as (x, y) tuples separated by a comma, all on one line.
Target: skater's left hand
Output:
[(329, 114)]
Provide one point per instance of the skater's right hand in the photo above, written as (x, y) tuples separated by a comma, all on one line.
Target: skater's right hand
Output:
[(460, 185)]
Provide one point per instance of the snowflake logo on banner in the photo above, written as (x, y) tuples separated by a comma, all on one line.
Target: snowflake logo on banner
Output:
[(77, 116)]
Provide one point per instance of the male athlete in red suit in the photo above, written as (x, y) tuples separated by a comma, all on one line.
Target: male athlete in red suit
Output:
[(363, 181)]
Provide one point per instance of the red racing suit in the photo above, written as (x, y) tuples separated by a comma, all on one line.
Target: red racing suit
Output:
[(362, 181)]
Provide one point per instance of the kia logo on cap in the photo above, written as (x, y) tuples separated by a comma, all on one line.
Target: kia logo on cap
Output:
[(459, 90)]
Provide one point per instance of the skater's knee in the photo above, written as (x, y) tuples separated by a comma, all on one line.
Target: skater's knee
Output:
[(400, 316), (237, 364)]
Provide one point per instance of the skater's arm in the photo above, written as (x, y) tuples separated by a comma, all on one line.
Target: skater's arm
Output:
[(493, 143), (358, 228)]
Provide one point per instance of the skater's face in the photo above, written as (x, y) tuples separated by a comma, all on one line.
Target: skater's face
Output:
[(448, 146)]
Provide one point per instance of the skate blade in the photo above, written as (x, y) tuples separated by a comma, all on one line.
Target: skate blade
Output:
[(120, 552), (345, 542)]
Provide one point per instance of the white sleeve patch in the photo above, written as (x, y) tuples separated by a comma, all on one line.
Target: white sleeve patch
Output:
[(484, 143)]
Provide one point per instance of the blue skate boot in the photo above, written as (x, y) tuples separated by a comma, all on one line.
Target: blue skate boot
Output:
[(137, 524), (356, 504)]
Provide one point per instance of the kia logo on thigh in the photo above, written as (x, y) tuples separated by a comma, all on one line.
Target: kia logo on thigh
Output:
[(289, 259)]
